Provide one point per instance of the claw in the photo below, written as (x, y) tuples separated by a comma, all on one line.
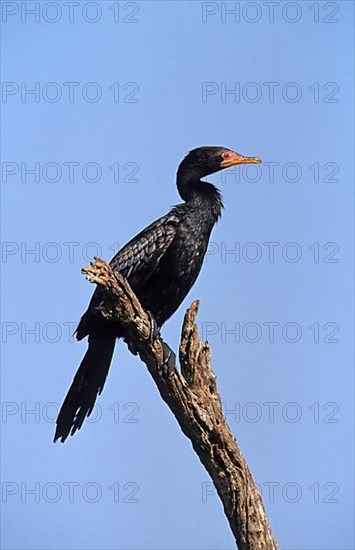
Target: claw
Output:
[(154, 330), (169, 357)]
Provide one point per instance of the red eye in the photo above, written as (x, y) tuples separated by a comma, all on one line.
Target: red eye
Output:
[(227, 155)]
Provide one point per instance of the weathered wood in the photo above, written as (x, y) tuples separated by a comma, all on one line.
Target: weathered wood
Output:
[(193, 397)]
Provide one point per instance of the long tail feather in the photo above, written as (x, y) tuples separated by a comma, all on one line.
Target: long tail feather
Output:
[(86, 386)]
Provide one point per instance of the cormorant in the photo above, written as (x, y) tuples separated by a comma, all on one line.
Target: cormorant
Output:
[(161, 264)]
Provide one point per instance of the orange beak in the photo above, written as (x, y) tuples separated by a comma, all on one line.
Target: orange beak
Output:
[(238, 159)]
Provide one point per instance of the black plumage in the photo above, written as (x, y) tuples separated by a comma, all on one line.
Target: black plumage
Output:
[(161, 264)]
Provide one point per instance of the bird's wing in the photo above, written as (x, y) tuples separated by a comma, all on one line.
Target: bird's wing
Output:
[(140, 257), (136, 261)]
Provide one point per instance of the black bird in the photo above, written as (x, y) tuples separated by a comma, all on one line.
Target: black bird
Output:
[(161, 264)]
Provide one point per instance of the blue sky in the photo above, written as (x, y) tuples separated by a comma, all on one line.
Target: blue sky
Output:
[(121, 92)]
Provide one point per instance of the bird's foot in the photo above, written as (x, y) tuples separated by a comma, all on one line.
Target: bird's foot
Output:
[(169, 357), (154, 330)]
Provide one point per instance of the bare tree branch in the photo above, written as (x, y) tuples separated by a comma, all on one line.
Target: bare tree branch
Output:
[(193, 397)]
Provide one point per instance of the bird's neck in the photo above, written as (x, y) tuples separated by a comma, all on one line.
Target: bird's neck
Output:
[(199, 193)]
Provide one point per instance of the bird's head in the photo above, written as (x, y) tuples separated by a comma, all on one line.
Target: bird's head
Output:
[(204, 161)]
